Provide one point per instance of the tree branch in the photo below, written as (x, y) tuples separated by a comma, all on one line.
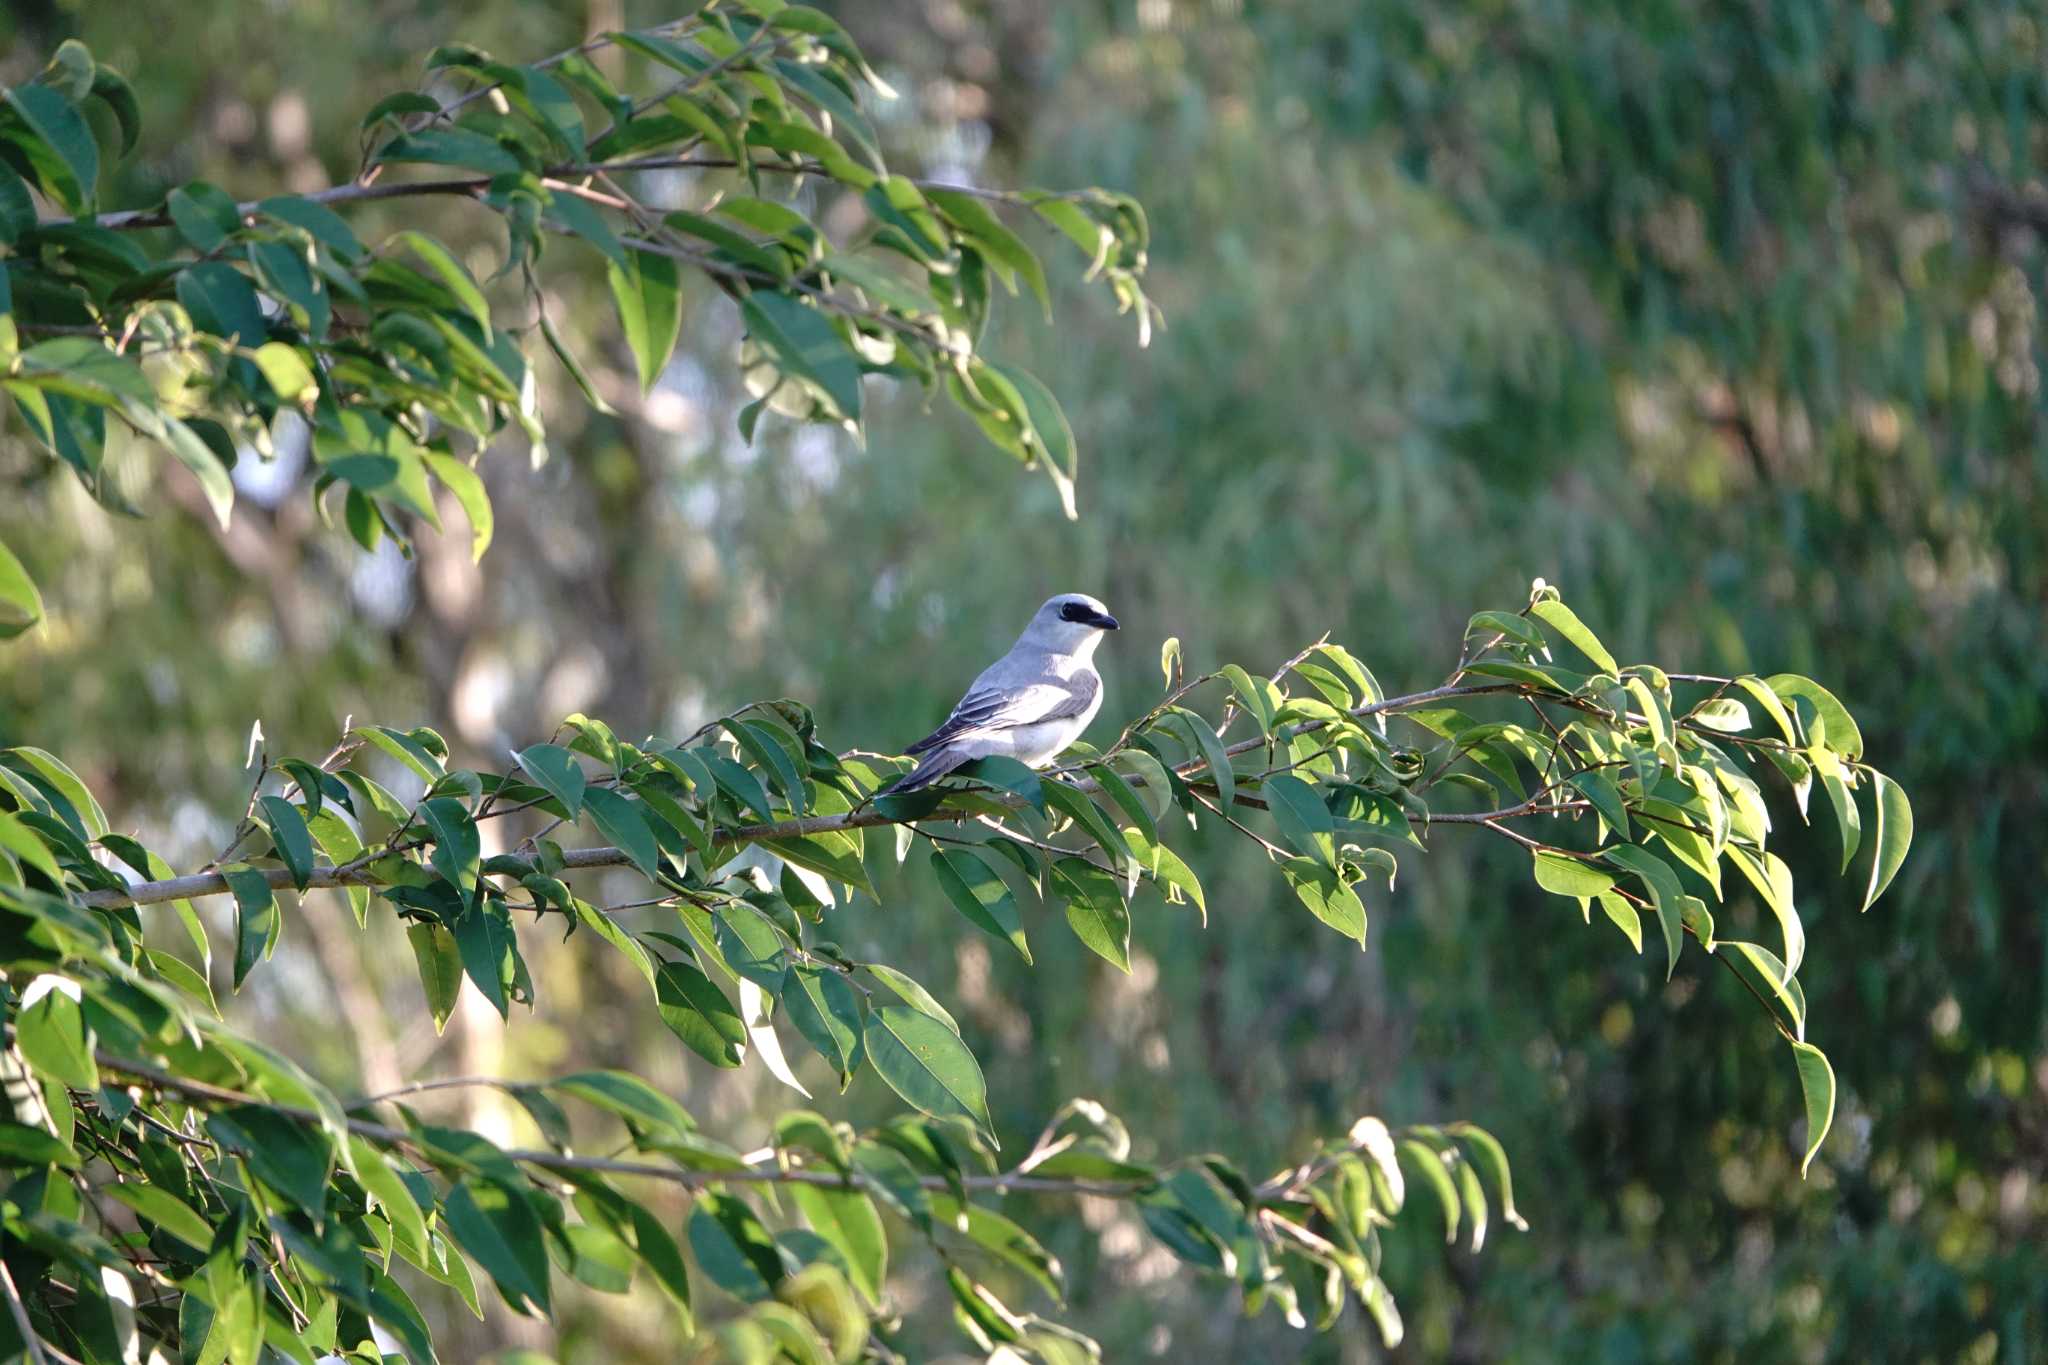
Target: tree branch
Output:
[(328, 876)]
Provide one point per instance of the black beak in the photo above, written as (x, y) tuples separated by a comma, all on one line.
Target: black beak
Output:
[(1102, 620)]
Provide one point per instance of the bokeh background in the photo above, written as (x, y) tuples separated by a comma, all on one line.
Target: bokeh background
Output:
[(1723, 316)]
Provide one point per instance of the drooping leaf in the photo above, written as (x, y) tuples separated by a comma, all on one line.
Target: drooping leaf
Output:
[(647, 291), (1096, 909), (1817, 1084), (1892, 834), (980, 895)]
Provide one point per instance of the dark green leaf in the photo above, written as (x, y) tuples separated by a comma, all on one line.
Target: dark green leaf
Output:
[(557, 770), (57, 143), (293, 841), (733, 1248), (926, 1063), (697, 1012), (257, 922), (827, 1013), (980, 895), (623, 821), (499, 1230)]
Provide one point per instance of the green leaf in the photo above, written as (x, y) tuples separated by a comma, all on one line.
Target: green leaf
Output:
[(621, 820), (450, 147), (1565, 622), (1817, 1084), (1495, 1158), (1838, 729), (1662, 882), (373, 1171), (847, 1220), (805, 344), (257, 923), (1434, 1175), (293, 841), (469, 491), (159, 1206), (1051, 437), (403, 747), (1165, 867), (826, 1012), (21, 1145), (286, 370), (499, 1230), (1625, 918), (912, 994), (23, 842), (453, 273), (52, 1036), (1328, 897), (1768, 873), (440, 968), (1893, 835), (1095, 910), (21, 606), (1765, 698), (57, 143), (458, 847), (979, 894), (733, 1248), (556, 770), (1304, 819), (1070, 802), (699, 1013), (1599, 789), (291, 1157), (59, 775), (1848, 823), (926, 1063), (645, 1109), (1206, 742), (1565, 876), (489, 951), (1760, 968), (647, 292), (1007, 774), (203, 213)]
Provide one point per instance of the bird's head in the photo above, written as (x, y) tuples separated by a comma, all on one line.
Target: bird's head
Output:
[(1071, 623)]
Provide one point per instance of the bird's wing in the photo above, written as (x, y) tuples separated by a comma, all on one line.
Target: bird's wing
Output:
[(989, 710)]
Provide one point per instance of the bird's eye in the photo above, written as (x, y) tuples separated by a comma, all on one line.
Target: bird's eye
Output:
[(1073, 611)]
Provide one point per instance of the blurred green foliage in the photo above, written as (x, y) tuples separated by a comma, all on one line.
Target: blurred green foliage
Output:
[(1722, 316)]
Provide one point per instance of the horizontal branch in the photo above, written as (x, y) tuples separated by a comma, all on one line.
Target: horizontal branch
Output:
[(474, 186), (329, 876), (160, 1079)]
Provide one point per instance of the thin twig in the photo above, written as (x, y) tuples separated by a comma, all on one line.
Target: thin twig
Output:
[(32, 1342)]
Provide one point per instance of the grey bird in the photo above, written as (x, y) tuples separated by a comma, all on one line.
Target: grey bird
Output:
[(1028, 705)]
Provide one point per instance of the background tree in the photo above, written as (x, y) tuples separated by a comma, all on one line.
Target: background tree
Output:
[(1442, 267)]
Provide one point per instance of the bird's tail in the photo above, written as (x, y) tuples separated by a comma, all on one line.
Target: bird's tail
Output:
[(930, 768)]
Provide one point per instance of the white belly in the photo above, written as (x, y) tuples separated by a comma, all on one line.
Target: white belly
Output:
[(1037, 745)]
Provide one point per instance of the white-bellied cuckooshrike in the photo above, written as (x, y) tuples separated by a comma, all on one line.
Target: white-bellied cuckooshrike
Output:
[(1028, 705)]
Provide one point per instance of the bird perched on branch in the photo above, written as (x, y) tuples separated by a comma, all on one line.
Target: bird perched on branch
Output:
[(1028, 705)]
